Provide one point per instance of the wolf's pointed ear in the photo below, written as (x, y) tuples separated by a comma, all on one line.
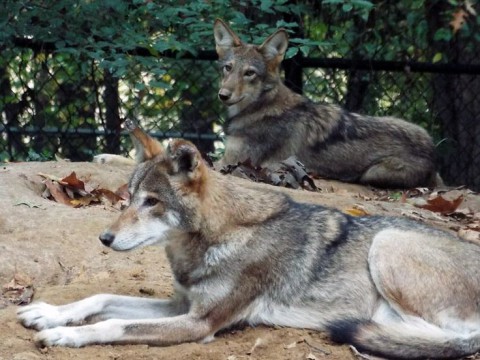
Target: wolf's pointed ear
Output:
[(225, 38), (146, 147), (275, 45), (186, 159)]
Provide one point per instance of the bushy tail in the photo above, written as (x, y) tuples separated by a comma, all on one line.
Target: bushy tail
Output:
[(401, 340)]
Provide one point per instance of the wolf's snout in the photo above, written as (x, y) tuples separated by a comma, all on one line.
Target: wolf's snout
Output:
[(106, 238), (224, 95)]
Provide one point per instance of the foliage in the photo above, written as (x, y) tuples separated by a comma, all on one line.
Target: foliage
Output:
[(113, 32), (56, 58)]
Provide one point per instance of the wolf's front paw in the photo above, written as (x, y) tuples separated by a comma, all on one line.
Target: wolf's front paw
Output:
[(104, 158), (59, 336), (112, 159), (40, 316)]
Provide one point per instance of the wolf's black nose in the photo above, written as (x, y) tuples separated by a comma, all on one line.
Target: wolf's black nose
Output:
[(106, 238), (224, 96)]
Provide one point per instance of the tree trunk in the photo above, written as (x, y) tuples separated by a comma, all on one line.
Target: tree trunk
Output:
[(112, 115)]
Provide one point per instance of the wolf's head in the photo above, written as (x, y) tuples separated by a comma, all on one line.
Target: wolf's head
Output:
[(247, 70), (165, 193)]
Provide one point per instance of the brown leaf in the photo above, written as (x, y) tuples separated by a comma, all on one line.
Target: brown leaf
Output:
[(19, 290), (442, 205), (56, 190), (111, 197), (52, 177), (122, 191), (72, 181), (84, 201), (459, 18)]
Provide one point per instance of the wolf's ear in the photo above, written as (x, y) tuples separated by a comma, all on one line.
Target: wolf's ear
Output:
[(146, 147), (225, 38), (186, 159), (275, 45)]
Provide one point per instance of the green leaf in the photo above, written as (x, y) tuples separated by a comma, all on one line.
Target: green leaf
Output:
[(362, 4), (159, 84), (291, 52), (443, 35), (437, 57)]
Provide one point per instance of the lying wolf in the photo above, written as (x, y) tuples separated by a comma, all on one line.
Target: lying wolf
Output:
[(267, 123), (240, 253)]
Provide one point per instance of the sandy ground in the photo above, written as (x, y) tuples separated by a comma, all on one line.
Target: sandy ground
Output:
[(57, 247)]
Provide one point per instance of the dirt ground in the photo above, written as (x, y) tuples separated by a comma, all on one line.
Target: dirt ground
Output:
[(57, 248)]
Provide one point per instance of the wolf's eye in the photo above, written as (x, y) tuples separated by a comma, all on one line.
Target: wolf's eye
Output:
[(227, 68), (249, 73), (151, 201)]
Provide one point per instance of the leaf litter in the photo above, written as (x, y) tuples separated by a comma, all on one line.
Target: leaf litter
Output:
[(18, 291), (74, 192), (290, 173)]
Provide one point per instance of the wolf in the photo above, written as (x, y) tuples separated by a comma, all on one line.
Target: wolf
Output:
[(267, 122), (240, 253)]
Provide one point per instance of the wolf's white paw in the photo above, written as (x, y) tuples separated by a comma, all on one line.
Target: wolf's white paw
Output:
[(112, 159), (60, 336), (40, 316), (104, 158)]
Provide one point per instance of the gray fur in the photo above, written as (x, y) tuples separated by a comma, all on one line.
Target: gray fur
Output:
[(268, 123), (243, 253)]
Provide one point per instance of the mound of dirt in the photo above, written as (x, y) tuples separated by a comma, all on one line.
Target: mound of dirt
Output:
[(52, 250)]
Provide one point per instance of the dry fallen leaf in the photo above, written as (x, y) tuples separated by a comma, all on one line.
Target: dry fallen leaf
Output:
[(72, 191), (19, 290), (442, 205), (72, 181), (356, 211), (122, 191), (288, 173), (109, 195), (84, 201), (56, 191)]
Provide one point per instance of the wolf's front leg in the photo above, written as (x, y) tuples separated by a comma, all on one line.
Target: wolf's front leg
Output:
[(44, 316), (158, 332)]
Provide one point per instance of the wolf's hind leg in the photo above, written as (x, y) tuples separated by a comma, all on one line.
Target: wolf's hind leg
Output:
[(394, 172), (428, 275), (429, 291)]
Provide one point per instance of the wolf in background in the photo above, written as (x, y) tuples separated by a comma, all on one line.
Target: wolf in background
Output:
[(267, 123), (243, 253)]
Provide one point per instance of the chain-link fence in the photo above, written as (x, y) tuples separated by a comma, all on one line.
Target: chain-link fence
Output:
[(57, 104)]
